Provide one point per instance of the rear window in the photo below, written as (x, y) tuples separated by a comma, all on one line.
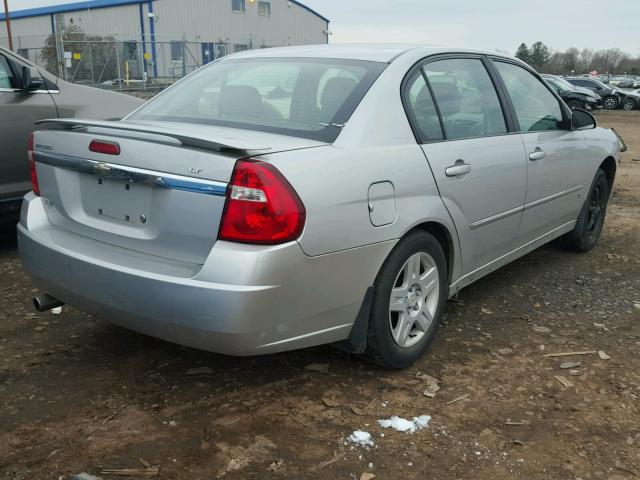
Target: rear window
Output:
[(309, 98)]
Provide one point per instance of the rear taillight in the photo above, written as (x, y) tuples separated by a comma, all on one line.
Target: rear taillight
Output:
[(32, 167), (106, 148), (261, 207)]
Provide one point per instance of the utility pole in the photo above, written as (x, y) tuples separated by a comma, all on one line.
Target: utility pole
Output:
[(7, 20)]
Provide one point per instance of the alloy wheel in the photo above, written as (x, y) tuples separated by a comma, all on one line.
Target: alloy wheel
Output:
[(610, 103), (414, 300)]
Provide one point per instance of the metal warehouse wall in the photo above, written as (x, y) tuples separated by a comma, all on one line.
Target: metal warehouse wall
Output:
[(27, 32), (122, 22), (186, 31), (213, 21)]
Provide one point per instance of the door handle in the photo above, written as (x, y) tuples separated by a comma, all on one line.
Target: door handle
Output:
[(537, 154), (460, 168)]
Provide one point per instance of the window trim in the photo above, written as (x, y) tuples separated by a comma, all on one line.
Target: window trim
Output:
[(566, 114), (264, 14), (244, 7), (497, 85)]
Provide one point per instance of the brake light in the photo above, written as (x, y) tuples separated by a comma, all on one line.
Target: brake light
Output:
[(261, 206), (32, 167), (107, 148)]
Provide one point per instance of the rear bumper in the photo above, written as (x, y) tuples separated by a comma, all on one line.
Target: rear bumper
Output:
[(245, 300)]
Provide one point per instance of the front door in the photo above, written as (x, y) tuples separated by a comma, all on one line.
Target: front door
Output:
[(554, 152), (480, 170), (18, 112)]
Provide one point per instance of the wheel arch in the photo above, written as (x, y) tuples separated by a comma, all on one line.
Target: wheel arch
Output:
[(445, 239), (609, 167)]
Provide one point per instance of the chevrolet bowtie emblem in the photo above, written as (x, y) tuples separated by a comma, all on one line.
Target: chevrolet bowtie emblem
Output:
[(101, 168)]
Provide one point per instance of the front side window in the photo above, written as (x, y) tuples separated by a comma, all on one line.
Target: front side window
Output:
[(264, 9), (421, 109), (466, 98), (309, 98), (6, 75), (237, 5), (535, 106)]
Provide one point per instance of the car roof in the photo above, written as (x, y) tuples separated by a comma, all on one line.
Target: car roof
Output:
[(384, 53)]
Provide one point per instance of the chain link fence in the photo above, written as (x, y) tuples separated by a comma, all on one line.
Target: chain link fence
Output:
[(124, 65)]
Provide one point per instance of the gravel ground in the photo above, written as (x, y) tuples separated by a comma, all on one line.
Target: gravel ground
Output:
[(78, 394)]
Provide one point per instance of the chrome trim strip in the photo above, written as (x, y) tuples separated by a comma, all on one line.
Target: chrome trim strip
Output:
[(523, 208), (499, 261), (551, 198), (495, 218), (132, 174)]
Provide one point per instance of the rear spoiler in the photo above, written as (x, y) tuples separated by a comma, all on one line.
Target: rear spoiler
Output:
[(228, 145)]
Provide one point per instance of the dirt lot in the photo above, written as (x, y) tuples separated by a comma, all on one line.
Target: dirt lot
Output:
[(77, 394)]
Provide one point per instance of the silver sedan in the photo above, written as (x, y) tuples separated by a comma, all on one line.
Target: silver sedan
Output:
[(284, 198)]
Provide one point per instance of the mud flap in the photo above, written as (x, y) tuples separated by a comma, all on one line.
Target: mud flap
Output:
[(357, 341)]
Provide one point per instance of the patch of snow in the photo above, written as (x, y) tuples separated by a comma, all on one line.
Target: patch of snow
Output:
[(361, 438), (402, 425)]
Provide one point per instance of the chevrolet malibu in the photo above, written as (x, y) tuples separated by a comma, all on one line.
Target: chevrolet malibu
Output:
[(285, 198)]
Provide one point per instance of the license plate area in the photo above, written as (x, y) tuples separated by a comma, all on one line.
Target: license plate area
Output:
[(118, 201)]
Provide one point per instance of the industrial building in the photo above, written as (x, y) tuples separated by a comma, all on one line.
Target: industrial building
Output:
[(160, 38)]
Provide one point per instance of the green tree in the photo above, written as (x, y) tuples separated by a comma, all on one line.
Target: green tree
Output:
[(523, 53), (97, 55), (540, 55)]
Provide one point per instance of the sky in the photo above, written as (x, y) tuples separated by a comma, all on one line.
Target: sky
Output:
[(493, 24)]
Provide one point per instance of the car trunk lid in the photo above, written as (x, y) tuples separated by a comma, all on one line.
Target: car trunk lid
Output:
[(163, 194)]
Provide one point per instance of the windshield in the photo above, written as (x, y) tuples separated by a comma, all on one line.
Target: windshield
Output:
[(304, 97)]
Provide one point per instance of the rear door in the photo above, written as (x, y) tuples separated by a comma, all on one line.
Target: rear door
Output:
[(555, 153), (19, 110), (479, 168)]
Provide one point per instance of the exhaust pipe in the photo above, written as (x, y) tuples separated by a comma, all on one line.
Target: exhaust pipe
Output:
[(46, 302)]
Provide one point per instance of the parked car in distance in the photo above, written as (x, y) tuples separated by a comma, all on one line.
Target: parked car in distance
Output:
[(632, 100), (612, 97), (574, 97), (288, 197), (622, 82), (29, 93)]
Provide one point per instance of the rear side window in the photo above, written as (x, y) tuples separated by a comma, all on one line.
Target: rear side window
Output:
[(421, 109), (6, 76), (466, 98), (310, 98), (535, 106)]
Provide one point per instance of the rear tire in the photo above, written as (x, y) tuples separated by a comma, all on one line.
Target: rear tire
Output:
[(410, 293), (588, 228), (628, 104)]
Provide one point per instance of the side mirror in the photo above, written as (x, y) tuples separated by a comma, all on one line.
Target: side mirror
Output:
[(29, 83), (582, 120)]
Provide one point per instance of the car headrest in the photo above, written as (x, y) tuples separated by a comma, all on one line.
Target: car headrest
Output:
[(335, 92), (240, 101), (448, 97), (424, 102)]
